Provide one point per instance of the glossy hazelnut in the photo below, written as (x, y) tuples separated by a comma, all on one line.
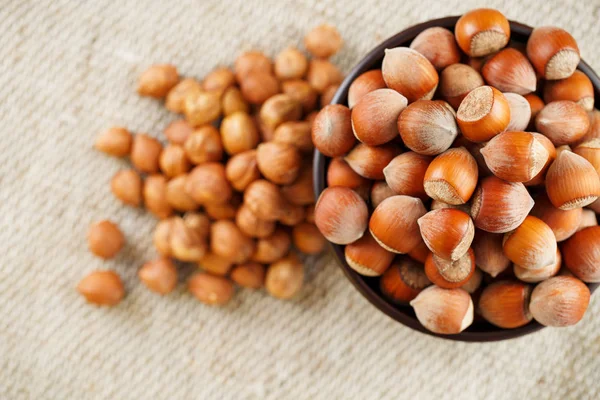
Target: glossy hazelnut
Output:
[(375, 117), (581, 254), (553, 52), (285, 277), (577, 88), (369, 162), (159, 275), (590, 150), (447, 232), (489, 254), (532, 245), (451, 177), (450, 274), (563, 223), (559, 301), (339, 173), (341, 215), (403, 281), (444, 311), (540, 178), (226, 240), (367, 257), (456, 81), (145, 152), (506, 304), (405, 174), (572, 182), (105, 239), (438, 46), (482, 31), (103, 288), (115, 141), (410, 73), (364, 84), (563, 122), (210, 289), (204, 145), (520, 112), (510, 71), (157, 80), (538, 275), (332, 131), (483, 114), (379, 192), (239, 133), (126, 185)]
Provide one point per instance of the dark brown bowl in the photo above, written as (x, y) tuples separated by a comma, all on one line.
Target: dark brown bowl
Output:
[(480, 331)]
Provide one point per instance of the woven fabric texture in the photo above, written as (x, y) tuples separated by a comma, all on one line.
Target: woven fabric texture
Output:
[(68, 70)]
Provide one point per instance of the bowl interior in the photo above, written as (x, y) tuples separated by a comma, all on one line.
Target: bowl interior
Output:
[(480, 331)]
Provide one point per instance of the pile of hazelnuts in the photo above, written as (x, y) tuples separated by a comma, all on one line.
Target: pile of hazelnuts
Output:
[(232, 187), (465, 174)]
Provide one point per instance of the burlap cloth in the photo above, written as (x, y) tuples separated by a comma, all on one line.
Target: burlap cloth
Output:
[(68, 70)]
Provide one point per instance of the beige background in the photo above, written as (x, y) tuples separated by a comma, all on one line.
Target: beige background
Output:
[(67, 71)]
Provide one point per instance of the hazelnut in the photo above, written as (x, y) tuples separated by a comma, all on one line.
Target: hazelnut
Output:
[(242, 169), (161, 238), (367, 257), (264, 199), (202, 108), (159, 275), (379, 192), (535, 106), (285, 277), (233, 101), (563, 223), (126, 185), (451, 177), (375, 117), (207, 184), (175, 100), (510, 71), (410, 73), (296, 133), (227, 241), (474, 282), (364, 84), (145, 153), (258, 87), (341, 215), (115, 141), (520, 112), (553, 52), (438, 46), (405, 174), (450, 274), (178, 131), (155, 196), (239, 133), (444, 311), (482, 31), (332, 131), (538, 275), (403, 281), (308, 239), (323, 74), (251, 225), (302, 92), (489, 254), (250, 62), (177, 197), (279, 109), (300, 192), (272, 248), (292, 215), (483, 114), (199, 222), (581, 253), (204, 145), (532, 245), (590, 150), (157, 80), (394, 223), (219, 80), (339, 173), (215, 264), (572, 182), (173, 161), (369, 162), (447, 232), (456, 81), (249, 275), (225, 210), (323, 41), (541, 176), (506, 304), (103, 288), (186, 243), (563, 122), (559, 301), (105, 239), (290, 64), (211, 290), (278, 162)]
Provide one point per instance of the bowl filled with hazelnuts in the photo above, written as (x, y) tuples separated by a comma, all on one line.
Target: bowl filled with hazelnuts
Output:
[(457, 176)]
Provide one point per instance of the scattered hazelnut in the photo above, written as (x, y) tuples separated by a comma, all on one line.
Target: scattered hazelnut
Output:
[(204, 145), (159, 275), (239, 133), (115, 141), (292, 215), (295, 133), (227, 241), (126, 185), (264, 199), (233, 101), (157, 80), (199, 222), (211, 290), (173, 161), (155, 196), (242, 169), (251, 225), (308, 239), (219, 80), (215, 264), (323, 41), (285, 277), (279, 109), (258, 87), (249, 275), (161, 238), (290, 64), (323, 74), (175, 100), (178, 131), (145, 153), (225, 210), (251, 62), (207, 184), (300, 192), (103, 288), (278, 162), (202, 107), (185, 242), (302, 92), (177, 197), (272, 248), (105, 239)]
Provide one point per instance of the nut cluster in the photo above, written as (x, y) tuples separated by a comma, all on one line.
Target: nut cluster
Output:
[(461, 181), (232, 187)]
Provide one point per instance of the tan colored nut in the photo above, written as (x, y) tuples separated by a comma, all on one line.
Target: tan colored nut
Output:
[(258, 87), (204, 145), (161, 238), (215, 264), (250, 62), (207, 184), (249, 275), (175, 100), (278, 162), (219, 80), (178, 131), (301, 91), (242, 169), (155, 196), (233, 101), (272, 248), (226, 240), (296, 133), (159, 275), (323, 74), (225, 210), (308, 239), (177, 197), (300, 192), (239, 133), (186, 243), (115, 141), (292, 215), (173, 161), (199, 222), (323, 41), (285, 277), (126, 185), (158, 80), (264, 199), (105, 239), (251, 225), (279, 109), (290, 64), (145, 153), (103, 288), (211, 290), (202, 107)]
